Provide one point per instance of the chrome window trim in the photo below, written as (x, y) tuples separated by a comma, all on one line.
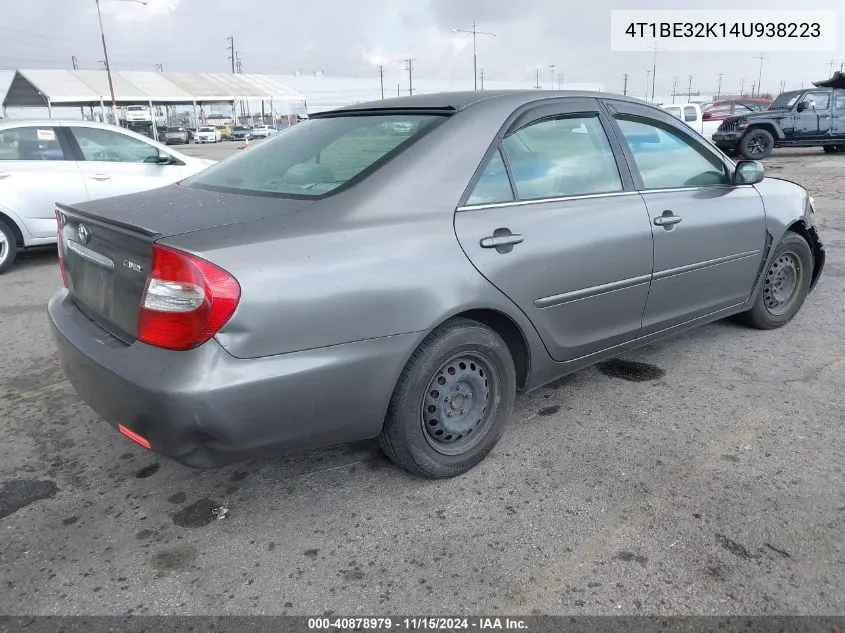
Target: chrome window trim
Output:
[(589, 196)]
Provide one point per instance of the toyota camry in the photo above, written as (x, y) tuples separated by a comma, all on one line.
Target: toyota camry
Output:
[(400, 269)]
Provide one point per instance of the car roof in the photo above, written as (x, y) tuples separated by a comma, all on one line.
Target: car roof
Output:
[(454, 101)]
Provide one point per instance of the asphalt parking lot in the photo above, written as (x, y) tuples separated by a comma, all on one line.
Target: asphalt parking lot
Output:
[(702, 476)]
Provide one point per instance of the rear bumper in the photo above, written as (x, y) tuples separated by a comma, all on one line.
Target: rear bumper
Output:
[(205, 408)]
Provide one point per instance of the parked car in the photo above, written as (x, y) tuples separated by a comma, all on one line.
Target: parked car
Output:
[(799, 118), (137, 113), (207, 134), (721, 110), (225, 132), (191, 133), (175, 135), (262, 131), (304, 294), (692, 115), (241, 133), (44, 162)]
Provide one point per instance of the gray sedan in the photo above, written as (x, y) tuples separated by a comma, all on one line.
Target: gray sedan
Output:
[(400, 269)]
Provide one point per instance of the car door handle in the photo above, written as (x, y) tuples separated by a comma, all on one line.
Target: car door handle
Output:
[(99, 177), (501, 240), (667, 220)]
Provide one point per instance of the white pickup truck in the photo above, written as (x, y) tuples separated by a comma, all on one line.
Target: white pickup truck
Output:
[(690, 113)]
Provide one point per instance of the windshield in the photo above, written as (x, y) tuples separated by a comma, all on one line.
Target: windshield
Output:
[(317, 156), (206, 129), (137, 108), (175, 129), (785, 101)]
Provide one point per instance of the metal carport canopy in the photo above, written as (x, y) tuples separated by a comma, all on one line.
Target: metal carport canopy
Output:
[(72, 88)]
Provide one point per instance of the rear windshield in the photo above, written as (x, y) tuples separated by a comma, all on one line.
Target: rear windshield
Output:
[(317, 156)]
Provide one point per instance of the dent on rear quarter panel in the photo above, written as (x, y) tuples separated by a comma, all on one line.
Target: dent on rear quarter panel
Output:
[(377, 260)]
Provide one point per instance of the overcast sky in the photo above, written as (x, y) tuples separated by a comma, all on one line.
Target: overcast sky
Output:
[(351, 37)]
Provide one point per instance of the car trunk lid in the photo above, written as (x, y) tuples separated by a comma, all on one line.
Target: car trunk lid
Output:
[(106, 244)]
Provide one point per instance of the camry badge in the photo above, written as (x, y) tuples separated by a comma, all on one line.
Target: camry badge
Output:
[(133, 266), (84, 233)]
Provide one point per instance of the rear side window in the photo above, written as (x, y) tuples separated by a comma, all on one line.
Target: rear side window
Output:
[(494, 185), (560, 157), (689, 113), (30, 143), (317, 156)]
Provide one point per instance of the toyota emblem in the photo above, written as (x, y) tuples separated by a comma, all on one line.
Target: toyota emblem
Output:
[(84, 233)]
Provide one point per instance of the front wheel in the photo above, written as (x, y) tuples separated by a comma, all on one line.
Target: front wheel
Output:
[(452, 402), (785, 285), (8, 247), (756, 144)]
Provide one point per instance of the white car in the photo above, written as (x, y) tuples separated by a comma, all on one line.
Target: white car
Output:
[(45, 162), (262, 131), (137, 113), (207, 134)]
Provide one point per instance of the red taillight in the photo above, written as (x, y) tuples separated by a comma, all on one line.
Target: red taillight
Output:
[(186, 301), (61, 247)]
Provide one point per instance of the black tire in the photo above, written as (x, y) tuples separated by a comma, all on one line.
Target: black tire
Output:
[(8, 247), (463, 358), (790, 271), (756, 144), (830, 149)]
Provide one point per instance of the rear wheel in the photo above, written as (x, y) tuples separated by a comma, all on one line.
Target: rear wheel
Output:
[(785, 285), (8, 247), (756, 144), (452, 402)]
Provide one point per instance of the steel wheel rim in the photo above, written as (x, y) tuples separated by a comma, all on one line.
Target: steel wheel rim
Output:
[(4, 247), (784, 280), (457, 408), (758, 144)]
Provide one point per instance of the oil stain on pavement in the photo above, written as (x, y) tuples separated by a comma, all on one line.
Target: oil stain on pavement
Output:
[(632, 371), (198, 514), (19, 493)]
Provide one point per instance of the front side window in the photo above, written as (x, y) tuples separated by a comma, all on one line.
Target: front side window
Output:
[(30, 143), (317, 156), (666, 159), (493, 185), (839, 100), (113, 147), (818, 100), (559, 157)]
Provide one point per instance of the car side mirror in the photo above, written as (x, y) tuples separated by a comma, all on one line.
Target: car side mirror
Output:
[(803, 106), (749, 172), (163, 158)]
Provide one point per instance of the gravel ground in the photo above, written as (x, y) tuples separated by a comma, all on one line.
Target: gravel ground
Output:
[(703, 475)]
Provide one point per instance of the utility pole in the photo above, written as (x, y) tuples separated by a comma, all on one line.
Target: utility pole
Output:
[(689, 89), (647, 75), (537, 80), (761, 57), (74, 62), (475, 33), (625, 84), (482, 78), (674, 88), (552, 69), (560, 81), (782, 86), (742, 87), (654, 48), (753, 87), (160, 68), (830, 67), (410, 62), (381, 79), (238, 62), (231, 49), (719, 87)]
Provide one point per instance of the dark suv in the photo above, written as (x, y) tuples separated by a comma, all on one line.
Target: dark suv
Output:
[(800, 118)]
